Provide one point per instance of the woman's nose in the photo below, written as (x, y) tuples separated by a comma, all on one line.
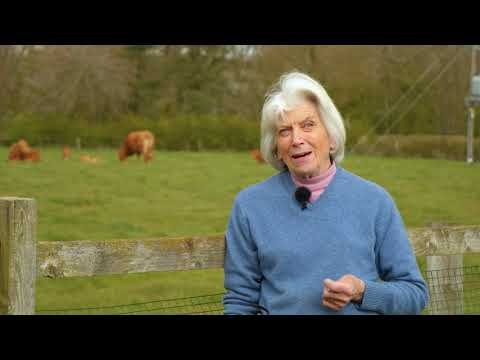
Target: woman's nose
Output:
[(297, 137)]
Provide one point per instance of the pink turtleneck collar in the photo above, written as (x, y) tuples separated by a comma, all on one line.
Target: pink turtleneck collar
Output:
[(317, 184)]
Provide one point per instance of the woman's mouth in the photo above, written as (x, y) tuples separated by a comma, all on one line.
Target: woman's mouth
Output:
[(301, 155), (301, 158)]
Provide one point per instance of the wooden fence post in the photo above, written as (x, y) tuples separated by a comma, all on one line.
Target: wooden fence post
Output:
[(445, 283), (18, 221)]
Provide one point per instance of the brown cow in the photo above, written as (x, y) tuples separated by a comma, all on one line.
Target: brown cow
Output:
[(17, 150), (33, 155), (138, 143), (257, 155), (66, 152), (22, 151)]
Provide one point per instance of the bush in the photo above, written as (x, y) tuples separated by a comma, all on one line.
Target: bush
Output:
[(356, 130), (182, 132), (451, 147), (39, 129), (208, 132)]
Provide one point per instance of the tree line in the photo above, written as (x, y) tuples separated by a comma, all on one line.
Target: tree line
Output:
[(404, 89)]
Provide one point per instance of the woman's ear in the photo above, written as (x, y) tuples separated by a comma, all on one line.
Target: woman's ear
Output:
[(332, 147)]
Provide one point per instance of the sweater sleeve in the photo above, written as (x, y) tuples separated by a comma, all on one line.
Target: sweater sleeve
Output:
[(401, 289), (241, 267)]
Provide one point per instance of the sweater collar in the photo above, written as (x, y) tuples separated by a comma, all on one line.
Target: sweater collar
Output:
[(290, 186)]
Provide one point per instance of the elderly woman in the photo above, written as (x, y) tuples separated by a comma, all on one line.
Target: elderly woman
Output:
[(315, 238)]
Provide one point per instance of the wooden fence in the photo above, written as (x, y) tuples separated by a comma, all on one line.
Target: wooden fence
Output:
[(22, 259)]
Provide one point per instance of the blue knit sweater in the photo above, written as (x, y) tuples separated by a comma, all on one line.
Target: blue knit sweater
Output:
[(277, 255)]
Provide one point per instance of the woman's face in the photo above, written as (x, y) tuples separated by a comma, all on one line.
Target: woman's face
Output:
[(303, 143)]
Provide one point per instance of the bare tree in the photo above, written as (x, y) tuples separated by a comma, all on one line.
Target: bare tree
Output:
[(185, 79), (12, 59), (89, 80)]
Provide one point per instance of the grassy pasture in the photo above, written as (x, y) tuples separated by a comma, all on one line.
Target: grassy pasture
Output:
[(191, 193)]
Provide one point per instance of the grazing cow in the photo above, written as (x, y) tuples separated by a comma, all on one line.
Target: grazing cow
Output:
[(14, 152), (33, 155), (66, 152), (138, 143), (257, 155), (89, 159), (22, 151), (17, 150)]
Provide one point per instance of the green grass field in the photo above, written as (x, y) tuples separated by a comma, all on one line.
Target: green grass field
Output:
[(184, 193)]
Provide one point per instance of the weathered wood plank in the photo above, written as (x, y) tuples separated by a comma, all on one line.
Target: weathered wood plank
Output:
[(85, 258), (445, 241), (17, 255)]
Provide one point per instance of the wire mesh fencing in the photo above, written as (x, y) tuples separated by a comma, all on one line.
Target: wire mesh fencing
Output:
[(454, 291), (196, 305)]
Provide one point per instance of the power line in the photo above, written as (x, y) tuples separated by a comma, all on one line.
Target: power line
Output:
[(419, 96), (398, 102)]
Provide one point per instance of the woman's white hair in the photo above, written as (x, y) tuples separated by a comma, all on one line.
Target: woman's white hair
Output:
[(289, 91)]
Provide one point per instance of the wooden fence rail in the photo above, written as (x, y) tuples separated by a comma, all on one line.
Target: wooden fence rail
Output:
[(22, 259)]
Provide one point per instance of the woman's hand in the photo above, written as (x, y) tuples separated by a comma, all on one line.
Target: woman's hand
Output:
[(337, 294)]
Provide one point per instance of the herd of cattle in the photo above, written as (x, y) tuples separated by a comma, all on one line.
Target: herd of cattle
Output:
[(139, 143)]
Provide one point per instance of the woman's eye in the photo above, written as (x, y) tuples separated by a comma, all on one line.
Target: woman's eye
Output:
[(284, 132), (308, 124)]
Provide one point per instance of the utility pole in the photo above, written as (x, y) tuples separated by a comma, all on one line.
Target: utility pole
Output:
[(472, 100)]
